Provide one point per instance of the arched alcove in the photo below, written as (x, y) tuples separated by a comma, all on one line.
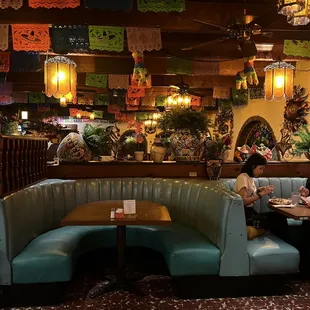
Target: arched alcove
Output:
[(257, 130), (129, 145)]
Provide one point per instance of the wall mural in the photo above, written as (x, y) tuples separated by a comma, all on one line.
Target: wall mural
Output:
[(295, 113)]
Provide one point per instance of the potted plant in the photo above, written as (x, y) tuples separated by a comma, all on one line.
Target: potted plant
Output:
[(97, 139), (9, 123), (302, 146), (139, 139), (189, 129)]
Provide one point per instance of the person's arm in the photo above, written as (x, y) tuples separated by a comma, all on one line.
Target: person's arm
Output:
[(248, 200), (257, 196)]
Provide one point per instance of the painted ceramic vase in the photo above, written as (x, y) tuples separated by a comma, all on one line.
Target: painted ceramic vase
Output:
[(186, 146)]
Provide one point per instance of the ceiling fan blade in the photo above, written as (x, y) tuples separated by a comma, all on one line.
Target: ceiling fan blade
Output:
[(209, 24), (269, 17), (205, 44), (267, 34)]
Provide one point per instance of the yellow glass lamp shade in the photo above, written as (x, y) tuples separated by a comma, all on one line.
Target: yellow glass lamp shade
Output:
[(279, 81), (60, 77)]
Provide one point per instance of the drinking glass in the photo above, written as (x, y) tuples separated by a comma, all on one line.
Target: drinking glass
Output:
[(295, 198)]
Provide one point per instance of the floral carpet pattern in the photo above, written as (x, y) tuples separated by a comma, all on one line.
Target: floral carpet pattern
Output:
[(158, 293)]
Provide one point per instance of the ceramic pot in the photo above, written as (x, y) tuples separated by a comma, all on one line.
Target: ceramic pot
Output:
[(186, 146), (158, 151), (225, 155), (214, 169), (139, 155)]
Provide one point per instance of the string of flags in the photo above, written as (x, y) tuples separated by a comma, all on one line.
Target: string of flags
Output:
[(115, 5)]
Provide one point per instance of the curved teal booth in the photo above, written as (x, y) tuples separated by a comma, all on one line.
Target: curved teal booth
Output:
[(207, 235)]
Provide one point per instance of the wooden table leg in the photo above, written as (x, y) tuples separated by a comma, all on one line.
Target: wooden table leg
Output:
[(114, 283), (121, 246)]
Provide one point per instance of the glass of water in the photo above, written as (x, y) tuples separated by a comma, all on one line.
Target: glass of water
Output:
[(295, 198)]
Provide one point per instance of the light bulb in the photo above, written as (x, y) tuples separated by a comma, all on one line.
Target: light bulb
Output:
[(180, 99), (92, 116), (59, 77), (170, 100), (63, 102), (78, 115), (279, 81)]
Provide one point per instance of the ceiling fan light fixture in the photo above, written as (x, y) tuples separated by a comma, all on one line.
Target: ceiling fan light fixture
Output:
[(264, 47), (291, 7)]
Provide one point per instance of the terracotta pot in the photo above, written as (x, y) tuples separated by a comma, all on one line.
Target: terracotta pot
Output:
[(139, 156)]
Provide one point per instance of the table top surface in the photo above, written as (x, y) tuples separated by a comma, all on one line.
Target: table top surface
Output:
[(99, 213), (300, 212)]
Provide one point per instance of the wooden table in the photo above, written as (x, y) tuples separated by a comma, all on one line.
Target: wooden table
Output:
[(98, 213), (300, 212)]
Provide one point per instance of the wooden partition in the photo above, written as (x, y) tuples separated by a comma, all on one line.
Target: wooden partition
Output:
[(23, 162), (168, 170)]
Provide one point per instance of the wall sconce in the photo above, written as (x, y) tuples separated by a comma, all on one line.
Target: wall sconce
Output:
[(279, 81), (60, 77), (92, 116), (24, 115)]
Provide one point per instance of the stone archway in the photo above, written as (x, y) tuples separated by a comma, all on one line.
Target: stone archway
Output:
[(252, 131)]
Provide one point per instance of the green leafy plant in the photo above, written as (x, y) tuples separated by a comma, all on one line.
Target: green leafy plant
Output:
[(179, 118), (303, 145), (97, 139)]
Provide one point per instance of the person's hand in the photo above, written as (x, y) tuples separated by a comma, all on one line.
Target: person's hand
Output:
[(304, 192), (267, 190)]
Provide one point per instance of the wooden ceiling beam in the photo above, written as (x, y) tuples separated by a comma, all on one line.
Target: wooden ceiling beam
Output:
[(214, 12), (156, 66), (34, 82)]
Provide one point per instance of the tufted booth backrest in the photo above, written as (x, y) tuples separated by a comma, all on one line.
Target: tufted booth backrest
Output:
[(283, 187), (213, 210)]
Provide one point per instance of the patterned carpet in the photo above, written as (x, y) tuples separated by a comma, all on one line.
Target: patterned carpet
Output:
[(158, 290)]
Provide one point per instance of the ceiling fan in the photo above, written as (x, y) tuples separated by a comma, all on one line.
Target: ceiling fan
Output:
[(240, 29), (182, 89)]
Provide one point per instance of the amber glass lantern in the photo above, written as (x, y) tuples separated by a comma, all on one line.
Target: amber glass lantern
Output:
[(60, 77), (279, 81)]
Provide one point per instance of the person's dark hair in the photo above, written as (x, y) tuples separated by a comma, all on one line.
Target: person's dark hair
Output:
[(252, 162)]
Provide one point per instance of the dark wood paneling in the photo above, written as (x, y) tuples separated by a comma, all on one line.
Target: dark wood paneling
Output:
[(23, 162), (168, 170)]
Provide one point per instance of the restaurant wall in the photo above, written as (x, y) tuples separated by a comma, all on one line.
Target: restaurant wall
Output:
[(271, 111)]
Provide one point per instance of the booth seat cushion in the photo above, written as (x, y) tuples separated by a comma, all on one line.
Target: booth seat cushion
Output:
[(186, 250), (270, 255), (51, 256)]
